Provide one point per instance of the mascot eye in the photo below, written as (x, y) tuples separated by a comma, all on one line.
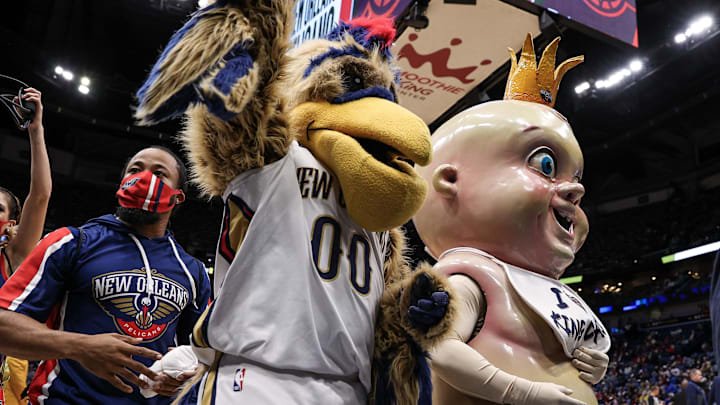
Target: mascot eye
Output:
[(353, 82), (543, 161)]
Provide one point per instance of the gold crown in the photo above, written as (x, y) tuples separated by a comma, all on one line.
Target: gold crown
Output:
[(538, 84)]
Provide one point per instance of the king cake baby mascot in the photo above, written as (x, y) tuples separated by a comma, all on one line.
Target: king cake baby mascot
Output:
[(503, 219), (309, 151)]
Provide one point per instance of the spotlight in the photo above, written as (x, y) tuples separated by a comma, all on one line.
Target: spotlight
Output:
[(600, 84), (619, 284), (699, 25), (636, 65), (83, 89), (680, 38), (580, 88), (85, 81), (67, 75), (654, 278), (203, 3), (626, 72), (59, 70)]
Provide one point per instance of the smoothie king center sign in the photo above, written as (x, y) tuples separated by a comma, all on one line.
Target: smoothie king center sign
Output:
[(461, 47)]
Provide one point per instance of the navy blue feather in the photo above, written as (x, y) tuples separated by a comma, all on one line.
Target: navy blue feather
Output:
[(384, 392), (422, 373), (332, 53), (361, 36), (237, 65), (376, 91)]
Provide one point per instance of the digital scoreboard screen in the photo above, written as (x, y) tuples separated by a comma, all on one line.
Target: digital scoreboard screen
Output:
[(616, 18)]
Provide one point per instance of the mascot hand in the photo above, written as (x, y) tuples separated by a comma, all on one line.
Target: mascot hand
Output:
[(427, 307), (592, 364), (540, 393)]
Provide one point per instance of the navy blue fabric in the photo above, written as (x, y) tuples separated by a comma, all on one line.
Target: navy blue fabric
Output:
[(714, 396), (695, 395), (376, 91), (109, 267), (715, 308)]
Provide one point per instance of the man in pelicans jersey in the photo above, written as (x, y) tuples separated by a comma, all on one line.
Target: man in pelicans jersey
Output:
[(119, 286)]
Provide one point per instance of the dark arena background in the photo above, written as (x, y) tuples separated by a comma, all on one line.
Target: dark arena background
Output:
[(645, 107)]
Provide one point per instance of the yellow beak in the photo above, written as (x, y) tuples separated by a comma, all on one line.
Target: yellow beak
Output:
[(369, 118), (362, 142)]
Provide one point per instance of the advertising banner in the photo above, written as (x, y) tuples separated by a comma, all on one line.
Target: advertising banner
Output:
[(315, 18), (379, 8), (463, 44), (616, 18)]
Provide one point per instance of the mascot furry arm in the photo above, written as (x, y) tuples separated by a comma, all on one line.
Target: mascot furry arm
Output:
[(246, 99)]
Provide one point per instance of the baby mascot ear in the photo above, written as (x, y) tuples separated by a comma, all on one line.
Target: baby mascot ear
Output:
[(443, 180)]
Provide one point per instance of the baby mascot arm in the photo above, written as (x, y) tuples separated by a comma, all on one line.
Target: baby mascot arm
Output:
[(221, 69), (469, 372)]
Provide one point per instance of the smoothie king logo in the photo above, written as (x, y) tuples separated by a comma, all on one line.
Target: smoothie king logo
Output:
[(140, 307), (412, 84)]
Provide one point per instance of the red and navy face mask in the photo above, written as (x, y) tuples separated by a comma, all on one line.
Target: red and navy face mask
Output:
[(147, 192)]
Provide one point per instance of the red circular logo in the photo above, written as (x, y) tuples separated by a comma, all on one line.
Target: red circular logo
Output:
[(609, 8)]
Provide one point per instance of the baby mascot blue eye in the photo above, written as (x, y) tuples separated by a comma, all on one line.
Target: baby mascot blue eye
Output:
[(543, 161)]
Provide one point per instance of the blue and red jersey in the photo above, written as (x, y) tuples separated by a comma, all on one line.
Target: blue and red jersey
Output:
[(99, 283)]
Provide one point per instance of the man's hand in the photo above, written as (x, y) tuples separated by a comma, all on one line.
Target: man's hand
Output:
[(109, 356), (168, 386), (592, 364)]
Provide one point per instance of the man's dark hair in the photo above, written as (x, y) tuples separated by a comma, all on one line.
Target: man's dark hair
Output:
[(15, 208), (182, 170)]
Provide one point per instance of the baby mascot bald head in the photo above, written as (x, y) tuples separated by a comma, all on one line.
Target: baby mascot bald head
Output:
[(506, 175)]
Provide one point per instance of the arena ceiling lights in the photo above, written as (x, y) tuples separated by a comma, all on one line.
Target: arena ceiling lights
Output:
[(686, 254), (68, 75), (696, 29)]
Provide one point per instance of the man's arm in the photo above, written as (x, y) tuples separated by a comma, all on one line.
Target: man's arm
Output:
[(106, 355), (26, 301)]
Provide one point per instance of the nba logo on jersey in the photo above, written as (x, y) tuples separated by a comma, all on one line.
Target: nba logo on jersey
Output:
[(238, 380)]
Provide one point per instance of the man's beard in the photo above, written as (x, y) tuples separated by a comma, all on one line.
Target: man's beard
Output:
[(136, 216)]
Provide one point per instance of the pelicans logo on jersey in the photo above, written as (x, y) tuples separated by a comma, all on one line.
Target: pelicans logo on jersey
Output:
[(138, 309)]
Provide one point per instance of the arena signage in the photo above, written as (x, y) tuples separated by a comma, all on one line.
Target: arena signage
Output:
[(315, 18), (462, 46), (616, 18), (378, 8)]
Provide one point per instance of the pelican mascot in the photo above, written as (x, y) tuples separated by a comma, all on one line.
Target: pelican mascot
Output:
[(311, 155)]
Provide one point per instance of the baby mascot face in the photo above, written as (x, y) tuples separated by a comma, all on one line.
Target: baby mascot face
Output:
[(505, 178)]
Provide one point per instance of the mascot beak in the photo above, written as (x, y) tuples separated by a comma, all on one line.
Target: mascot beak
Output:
[(383, 129), (367, 143)]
